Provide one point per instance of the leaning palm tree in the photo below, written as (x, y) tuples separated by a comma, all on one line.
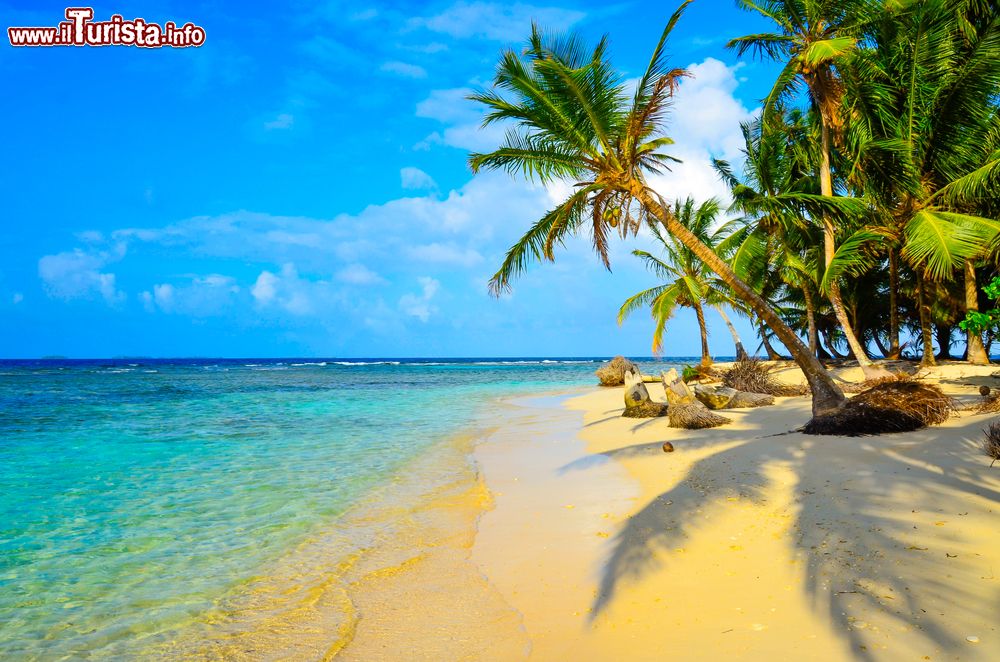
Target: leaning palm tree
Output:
[(812, 36), (686, 280), (573, 121)]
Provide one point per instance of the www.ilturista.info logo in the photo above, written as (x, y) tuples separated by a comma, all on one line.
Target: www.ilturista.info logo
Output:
[(79, 29)]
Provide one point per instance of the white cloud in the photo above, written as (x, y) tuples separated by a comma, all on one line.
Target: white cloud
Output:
[(147, 301), (282, 121), (266, 287), (77, 274), (404, 69), (465, 119), (359, 274), (415, 178), (198, 296), (496, 21), (449, 105), (705, 123), (288, 292), (445, 254), (419, 305), (163, 296)]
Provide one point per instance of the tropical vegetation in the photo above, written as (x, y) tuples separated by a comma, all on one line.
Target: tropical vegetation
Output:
[(865, 214)]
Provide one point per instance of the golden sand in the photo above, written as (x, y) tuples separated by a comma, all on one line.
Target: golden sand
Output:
[(752, 541), (573, 536)]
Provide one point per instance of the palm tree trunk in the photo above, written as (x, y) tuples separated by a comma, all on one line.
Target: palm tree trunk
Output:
[(772, 353), (943, 333), (925, 323), (826, 395), (741, 352), (894, 349), (706, 357), (878, 343), (811, 321), (870, 370), (831, 348), (976, 352)]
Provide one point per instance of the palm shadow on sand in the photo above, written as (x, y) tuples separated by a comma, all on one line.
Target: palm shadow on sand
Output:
[(863, 552)]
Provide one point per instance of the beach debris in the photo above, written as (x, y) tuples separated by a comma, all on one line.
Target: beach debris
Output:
[(991, 444), (984, 390), (723, 397), (989, 405), (613, 372), (668, 447), (972, 639), (685, 410), (745, 399), (754, 376), (694, 416), (638, 404), (714, 397), (896, 405), (677, 392)]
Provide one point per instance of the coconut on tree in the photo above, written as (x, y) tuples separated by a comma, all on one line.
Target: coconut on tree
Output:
[(570, 119)]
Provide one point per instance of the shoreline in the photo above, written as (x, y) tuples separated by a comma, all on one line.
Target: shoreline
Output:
[(560, 530), (413, 531), (750, 541)]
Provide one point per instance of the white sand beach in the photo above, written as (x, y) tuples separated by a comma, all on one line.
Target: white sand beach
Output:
[(749, 541)]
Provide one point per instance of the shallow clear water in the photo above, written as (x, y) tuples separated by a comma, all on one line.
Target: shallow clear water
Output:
[(134, 493)]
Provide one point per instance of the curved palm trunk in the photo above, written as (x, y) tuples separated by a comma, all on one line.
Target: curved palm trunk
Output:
[(870, 370), (881, 347), (772, 353), (925, 323), (811, 321), (706, 357), (831, 348), (976, 352), (741, 352), (827, 396), (894, 349)]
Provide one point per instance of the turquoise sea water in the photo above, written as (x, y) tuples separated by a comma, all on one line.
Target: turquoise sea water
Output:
[(134, 493)]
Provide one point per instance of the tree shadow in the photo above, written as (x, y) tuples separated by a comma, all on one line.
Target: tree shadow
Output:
[(864, 553)]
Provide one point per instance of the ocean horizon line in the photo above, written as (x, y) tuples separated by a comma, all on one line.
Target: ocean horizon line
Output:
[(452, 359)]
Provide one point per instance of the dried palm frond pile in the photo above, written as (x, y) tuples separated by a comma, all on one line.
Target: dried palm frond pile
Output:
[(754, 376), (894, 405), (989, 405), (991, 444), (861, 387), (613, 372), (694, 416)]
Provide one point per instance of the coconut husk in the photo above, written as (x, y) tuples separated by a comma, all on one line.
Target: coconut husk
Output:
[(892, 406), (744, 400), (715, 397), (612, 373), (694, 416)]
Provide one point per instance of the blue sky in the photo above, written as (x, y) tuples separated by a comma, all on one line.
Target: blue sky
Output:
[(298, 185)]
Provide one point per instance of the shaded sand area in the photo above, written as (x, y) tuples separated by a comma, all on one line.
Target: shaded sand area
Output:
[(751, 541), (564, 532)]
